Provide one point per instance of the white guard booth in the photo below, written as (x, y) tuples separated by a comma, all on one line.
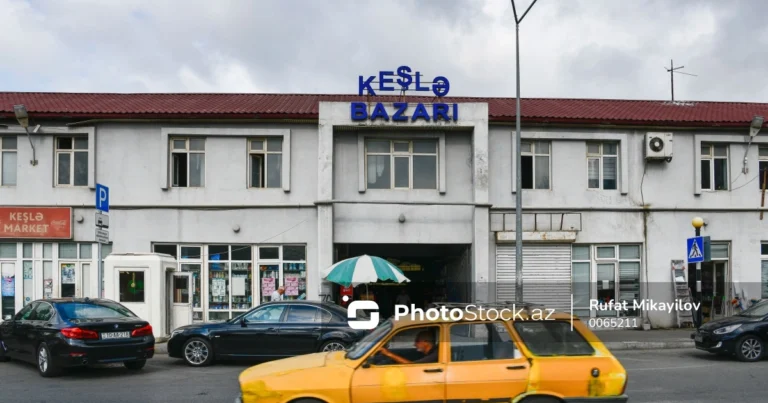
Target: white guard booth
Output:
[(150, 285)]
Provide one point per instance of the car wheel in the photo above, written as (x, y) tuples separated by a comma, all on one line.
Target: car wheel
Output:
[(135, 365), (750, 349), (333, 345), (44, 363), (198, 352)]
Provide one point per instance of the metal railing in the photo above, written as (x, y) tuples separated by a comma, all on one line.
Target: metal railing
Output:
[(502, 221)]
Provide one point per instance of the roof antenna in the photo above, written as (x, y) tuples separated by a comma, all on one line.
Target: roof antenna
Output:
[(672, 70)]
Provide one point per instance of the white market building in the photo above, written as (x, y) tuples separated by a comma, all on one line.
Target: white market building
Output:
[(242, 187)]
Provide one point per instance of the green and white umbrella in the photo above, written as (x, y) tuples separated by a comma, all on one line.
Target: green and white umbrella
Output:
[(363, 270)]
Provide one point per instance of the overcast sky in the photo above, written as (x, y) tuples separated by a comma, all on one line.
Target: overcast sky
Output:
[(569, 48)]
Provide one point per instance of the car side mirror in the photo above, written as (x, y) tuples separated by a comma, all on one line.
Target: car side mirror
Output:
[(368, 362), (243, 322)]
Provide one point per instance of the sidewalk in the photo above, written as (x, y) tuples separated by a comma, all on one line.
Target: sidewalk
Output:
[(613, 339), (646, 339)]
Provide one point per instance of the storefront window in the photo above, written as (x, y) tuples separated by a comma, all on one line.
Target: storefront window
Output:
[(47, 278), (67, 251), (131, 285), (28, 285), (194, 268), (295, 272), (8, 288), (616, 273), (269, 271)]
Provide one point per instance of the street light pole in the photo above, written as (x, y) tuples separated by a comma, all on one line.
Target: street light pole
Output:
[(518, 164), (697, 223)]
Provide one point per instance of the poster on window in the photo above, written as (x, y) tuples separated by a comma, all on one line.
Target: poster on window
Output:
[(291, 285), (9, 286), (219, 287), (48, 288), (267, 286), (28, 272), (68, 274)]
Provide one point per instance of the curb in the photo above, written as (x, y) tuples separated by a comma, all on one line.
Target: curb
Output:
[(162, 348), (648, 345)]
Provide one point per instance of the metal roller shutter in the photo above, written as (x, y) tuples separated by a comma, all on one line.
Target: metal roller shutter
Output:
[(546, 274)]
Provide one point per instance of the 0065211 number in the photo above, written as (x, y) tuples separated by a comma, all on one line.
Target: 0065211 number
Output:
[(617, 323)]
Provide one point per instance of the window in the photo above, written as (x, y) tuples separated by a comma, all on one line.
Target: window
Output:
[(43, 312), (307, 314), (764, 270), (72, 161), (369, 340), (8, 159), (229, 279), (553, 338), (26, 312), (714, 166), (266, 160), (602, 165), (131, 286), (762, 164), (188, 162), (535, 164), (404, 342), (616, 272), (396, 164), (481, 341), (270, 314)]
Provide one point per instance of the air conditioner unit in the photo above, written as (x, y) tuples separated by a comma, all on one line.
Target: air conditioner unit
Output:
[(658, 146)]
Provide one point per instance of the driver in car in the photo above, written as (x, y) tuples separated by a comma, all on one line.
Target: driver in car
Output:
[(424, 343)]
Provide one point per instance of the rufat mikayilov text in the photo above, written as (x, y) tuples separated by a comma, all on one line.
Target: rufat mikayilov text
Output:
[(473, 312), (643, 304)]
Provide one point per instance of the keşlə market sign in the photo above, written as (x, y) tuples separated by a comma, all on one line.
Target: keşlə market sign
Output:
[(36, 222), (404, 111)]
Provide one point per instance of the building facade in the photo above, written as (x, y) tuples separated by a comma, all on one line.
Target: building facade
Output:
[(251, 192)]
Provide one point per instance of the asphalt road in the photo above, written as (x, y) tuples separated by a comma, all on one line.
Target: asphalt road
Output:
[(660, 376)]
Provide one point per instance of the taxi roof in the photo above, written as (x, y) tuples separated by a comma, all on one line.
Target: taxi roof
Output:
[(509, 311)]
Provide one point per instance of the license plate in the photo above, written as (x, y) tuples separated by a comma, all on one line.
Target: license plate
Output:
[(116, 335), (698, 338)]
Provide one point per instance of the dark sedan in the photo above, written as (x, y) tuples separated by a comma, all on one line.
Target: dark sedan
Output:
[(744, 335), (60, 333), (271, 330)]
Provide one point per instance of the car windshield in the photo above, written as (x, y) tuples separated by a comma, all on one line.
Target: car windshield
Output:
[(360, 348), (756, 311), (92, 310)]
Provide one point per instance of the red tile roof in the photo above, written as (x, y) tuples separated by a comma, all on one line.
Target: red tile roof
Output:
[(305, 106)]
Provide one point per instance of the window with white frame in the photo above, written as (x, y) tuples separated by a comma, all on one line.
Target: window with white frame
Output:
[(401, 164), (762, 164), (535, 164), (616, 273), (72, 161), (266, 160), (188, 162), (714, 166), (764, 270), (8, 159), (603, 165)]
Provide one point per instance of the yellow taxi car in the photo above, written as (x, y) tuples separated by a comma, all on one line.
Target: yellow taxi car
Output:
[(474, 359)]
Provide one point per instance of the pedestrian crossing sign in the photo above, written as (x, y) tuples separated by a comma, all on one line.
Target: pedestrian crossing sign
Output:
[(695, 248)]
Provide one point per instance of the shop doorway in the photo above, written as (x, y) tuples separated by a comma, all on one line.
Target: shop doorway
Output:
[(714, 289), (71, 277), (438, 273)]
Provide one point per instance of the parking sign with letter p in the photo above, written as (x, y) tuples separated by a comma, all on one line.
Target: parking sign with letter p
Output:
[(357, 324)]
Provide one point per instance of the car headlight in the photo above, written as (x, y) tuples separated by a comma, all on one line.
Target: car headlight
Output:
[(727, 329)]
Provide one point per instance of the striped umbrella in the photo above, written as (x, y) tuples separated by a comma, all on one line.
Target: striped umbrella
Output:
[(363, 270)]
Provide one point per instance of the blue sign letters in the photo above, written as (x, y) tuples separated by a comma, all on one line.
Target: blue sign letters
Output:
[(440, 85), (402, 113)]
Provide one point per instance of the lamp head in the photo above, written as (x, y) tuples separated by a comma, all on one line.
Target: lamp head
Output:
[(697, 222), (756, 125), (21, 115)]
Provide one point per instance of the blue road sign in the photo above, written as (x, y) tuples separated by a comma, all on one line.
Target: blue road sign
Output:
[(695, 248), (102, 198)]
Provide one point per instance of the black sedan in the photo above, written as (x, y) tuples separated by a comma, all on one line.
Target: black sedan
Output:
[(744, 335), (270, 331), (60, 333)]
